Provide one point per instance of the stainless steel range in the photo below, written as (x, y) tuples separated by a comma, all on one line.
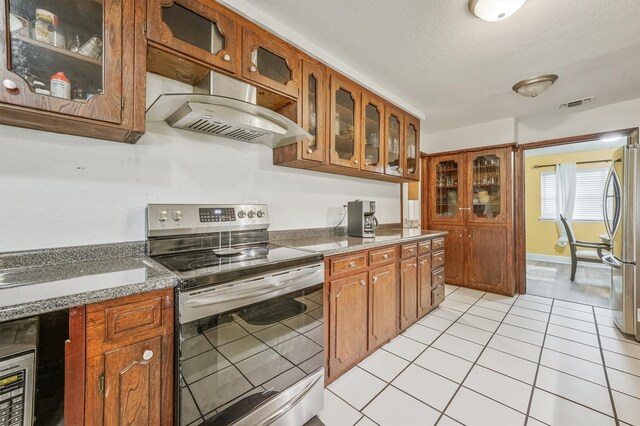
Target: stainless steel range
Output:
[(249, 320)]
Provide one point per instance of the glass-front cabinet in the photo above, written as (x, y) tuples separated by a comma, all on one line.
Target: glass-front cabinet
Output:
[(487, 179), (63, 56), (344, 123), (446, 181), (411, 148), (196, 28), (372, 153), (394, 142), (270, 62), (313, 109)]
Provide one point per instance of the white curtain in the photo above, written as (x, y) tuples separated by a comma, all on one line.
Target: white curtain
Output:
[(565, 197)]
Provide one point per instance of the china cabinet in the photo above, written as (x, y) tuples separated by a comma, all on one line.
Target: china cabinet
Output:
[(470, 196), (69, 67)]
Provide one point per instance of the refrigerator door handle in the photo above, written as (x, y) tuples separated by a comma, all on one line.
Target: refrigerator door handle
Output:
[(610, 260), (605, 204)]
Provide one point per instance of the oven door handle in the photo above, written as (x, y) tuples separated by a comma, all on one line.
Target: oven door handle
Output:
[(289, 405), (228, 294)]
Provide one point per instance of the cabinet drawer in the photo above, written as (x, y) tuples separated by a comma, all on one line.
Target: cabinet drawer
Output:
[(437, 259), (437, 244), (437, 278), (382, 256), (346, 264), (409, 250), (437, 295), (424, 247)]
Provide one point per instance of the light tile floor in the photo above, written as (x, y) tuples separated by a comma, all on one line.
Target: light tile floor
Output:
[(485, 359)]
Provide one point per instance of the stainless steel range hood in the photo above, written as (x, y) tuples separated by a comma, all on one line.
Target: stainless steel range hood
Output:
[(225, 107)]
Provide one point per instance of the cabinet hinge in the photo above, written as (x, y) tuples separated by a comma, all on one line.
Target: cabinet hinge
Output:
[(101, 383), (122, 102), (144, 26)]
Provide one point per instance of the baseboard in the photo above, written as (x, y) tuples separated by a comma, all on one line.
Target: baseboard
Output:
[(565, 260)]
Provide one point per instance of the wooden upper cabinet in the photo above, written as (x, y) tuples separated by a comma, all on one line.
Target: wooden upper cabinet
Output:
[(344, 123), (383, 305), (411, 150), (198, 29), (488, 186), (348, 318), (394, 141), (447, 188), (270, 62), (87, 59), (313, 110), (372, 149)]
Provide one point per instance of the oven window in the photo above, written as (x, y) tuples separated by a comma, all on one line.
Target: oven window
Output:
[(235, 361)]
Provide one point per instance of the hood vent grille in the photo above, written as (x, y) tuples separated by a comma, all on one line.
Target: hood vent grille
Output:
[(203, 125)]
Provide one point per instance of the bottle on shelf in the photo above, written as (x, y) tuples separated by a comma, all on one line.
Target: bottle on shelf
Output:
[(60, 86)]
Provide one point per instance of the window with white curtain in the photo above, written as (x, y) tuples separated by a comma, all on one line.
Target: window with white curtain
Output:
[(589, 189)]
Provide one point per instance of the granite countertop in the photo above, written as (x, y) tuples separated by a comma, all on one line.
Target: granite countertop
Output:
[(35, 290), (340, 244)]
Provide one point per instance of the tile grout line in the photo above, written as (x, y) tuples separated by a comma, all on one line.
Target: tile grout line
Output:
[(474, 363), (604, 367), (535, 378), (423, 351)]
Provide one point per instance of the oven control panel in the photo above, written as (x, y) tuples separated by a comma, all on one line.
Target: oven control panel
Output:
[(180, 219)]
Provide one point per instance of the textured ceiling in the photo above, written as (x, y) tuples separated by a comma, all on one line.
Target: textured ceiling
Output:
[(458, 69)]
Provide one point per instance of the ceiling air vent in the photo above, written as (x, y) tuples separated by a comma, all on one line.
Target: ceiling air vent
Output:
[(577, 103)]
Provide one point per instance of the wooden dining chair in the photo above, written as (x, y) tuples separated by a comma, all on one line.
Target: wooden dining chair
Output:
[(577, 255)]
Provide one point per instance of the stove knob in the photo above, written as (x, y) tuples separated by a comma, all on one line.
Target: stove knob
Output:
[(177, 215), (261, 213), (251, 214), (242, 214), (162, 215)]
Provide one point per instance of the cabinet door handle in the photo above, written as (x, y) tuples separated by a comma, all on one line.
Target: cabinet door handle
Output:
[(226, 57), (355, 161), (311, 150), (253, 68), (469, 235), (385, 256), (351, 264), (363, 282), (147, 355), (9, 84)]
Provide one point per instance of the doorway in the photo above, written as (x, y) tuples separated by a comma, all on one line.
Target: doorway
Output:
[(563, 260)]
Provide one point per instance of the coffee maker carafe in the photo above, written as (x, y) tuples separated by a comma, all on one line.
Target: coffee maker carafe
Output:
[(362, 220)]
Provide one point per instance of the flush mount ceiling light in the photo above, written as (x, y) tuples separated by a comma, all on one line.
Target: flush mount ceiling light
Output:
[(532, 87), (494, 10)]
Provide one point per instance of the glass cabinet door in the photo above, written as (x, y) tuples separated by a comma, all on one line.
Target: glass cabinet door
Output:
[(411, 149), (197, 29), (344, 124), (313, 109), (446, 180), (270, 62), (373, 135), (63, 56), (394, 142), (487, 180)]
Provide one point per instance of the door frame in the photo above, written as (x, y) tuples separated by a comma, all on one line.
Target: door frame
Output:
[(520, 222)]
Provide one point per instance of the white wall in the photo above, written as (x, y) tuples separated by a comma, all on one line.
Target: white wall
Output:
[(622, 115), (59, 190), (484, 134)]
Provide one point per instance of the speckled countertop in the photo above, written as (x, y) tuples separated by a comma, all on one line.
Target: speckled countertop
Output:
[(339, 244), (34, 290)]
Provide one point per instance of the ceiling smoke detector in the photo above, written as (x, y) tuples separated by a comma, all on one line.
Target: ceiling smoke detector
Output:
[(532, 87), (577, 103), (494, 10)]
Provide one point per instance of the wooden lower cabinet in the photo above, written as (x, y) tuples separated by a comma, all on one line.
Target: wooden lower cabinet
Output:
[(487, 249), (408, 292), (348, 317), (383, 305), (129, 360), (376, 296), (454, 261), (424, 284)]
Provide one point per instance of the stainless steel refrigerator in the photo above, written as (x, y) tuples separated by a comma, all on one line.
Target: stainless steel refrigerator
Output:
[(621, 216)]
